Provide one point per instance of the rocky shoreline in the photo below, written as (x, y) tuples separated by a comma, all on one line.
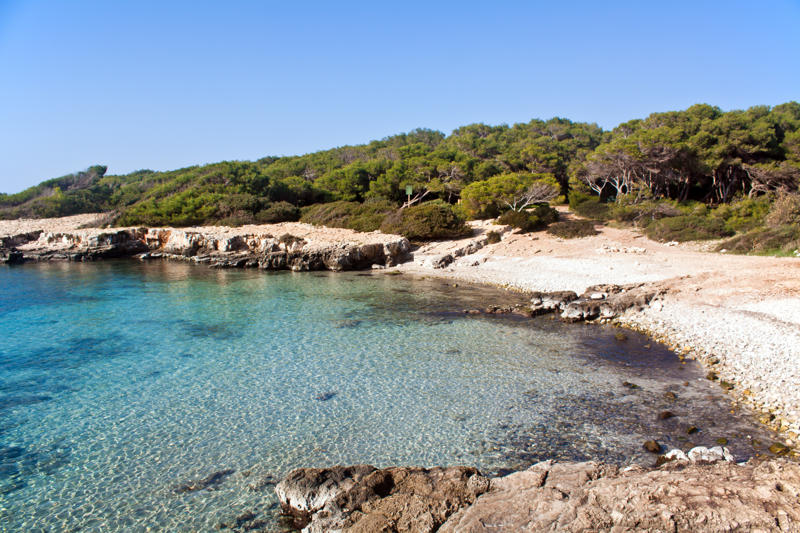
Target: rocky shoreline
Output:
[(749, 351), (701, 491), (296, 247)]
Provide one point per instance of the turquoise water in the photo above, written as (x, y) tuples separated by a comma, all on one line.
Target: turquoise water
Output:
[(121, 382)]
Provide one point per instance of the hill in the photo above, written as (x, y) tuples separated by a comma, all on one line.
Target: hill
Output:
[(698, 156)]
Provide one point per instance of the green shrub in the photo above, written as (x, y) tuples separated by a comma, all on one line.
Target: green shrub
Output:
[(428, 221), (352, 215), (278, 212), (785, 210), (744, 214), (334, 214), (687, 228), (493, 237), (526, 221), (370, 215), (589, 206), (572, 229), (642, 213)]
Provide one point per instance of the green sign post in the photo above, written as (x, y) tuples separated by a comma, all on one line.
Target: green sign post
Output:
[(409, 191)]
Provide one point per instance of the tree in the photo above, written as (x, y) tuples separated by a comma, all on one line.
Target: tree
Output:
[(513, 191)]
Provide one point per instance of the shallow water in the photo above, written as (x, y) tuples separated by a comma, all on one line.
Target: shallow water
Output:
[(122, 384)]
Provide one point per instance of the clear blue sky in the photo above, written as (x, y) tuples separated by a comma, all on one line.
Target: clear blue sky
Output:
[(166, 84)]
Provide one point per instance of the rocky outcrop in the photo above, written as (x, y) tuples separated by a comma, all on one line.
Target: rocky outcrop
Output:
[(597, 302), (364, 499), (549, 496), (221, 248), (609, 301), (550, 302), (675, 497)]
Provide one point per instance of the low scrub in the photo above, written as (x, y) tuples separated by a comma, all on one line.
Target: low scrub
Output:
[(351, 215), (782, 240), (785, 210), (743, 215), (643, 213), (278, 212), (572, 229), (589, 206), (536, 219), (493, 237), (426, 222), (682, 228)]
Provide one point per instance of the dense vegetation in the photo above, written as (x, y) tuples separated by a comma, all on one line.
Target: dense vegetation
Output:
[(697, 173)]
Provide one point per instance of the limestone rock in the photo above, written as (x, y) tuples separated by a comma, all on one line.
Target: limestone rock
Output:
[(546, 302), (703, 455), (219, 248), (609, 301), (591, 497), (363, 499)]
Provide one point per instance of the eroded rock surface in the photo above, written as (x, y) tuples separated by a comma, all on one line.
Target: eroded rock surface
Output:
[(676, 497), (679, 496), (362, 498), (308, 248)]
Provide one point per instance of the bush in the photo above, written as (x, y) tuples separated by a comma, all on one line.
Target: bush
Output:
[(278, 212), (687, 228), (493, 237), (783, 240), (572, 229), (743, 215), (589, 206), (526, 221), (428, 221), (644, 212), (785, 210), (352, 215)]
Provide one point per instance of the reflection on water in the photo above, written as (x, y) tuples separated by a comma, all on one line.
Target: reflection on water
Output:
[(173, 397)]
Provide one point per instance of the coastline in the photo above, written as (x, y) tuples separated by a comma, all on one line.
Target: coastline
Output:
[(738, 315)]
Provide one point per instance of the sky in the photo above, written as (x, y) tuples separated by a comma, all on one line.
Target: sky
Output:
[(163, 85)]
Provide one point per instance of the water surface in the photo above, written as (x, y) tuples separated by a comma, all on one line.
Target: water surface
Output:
[(123, 384)]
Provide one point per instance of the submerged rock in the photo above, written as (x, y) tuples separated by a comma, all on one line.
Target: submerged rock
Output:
[(214, 479), (324, 396), (651, 446)]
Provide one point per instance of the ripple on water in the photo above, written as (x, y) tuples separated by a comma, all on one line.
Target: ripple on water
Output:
[(220, 382)]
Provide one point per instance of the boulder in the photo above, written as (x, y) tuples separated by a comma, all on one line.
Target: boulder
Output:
[(548, 302), (364, 499)]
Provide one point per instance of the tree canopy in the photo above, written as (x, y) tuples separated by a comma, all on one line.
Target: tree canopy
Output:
[(701, 153)]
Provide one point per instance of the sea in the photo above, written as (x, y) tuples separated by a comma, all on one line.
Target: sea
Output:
[(165, 396)]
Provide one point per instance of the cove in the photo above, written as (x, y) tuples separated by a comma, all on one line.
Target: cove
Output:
[(174, 396)]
